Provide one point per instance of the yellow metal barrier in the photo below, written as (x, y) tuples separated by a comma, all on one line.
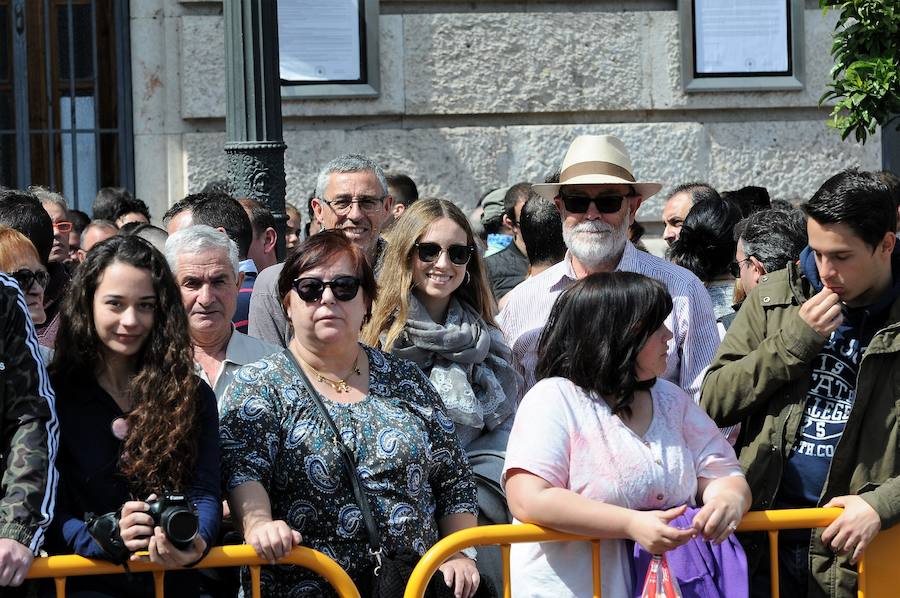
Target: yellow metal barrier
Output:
[(60, 567), (877, 568)]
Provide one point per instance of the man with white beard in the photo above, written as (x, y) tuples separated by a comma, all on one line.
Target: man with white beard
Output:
[(597, 197)]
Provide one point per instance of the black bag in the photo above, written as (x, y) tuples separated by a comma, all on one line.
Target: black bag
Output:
[(391, 573)]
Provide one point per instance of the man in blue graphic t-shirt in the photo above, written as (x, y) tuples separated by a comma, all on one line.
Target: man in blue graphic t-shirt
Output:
[(810, 368)]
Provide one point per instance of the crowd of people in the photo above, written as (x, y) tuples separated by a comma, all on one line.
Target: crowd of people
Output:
[(408, 367)]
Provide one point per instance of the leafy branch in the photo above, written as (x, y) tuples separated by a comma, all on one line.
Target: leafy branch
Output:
[(866, 72)]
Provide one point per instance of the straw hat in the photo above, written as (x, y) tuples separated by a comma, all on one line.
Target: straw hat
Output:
[(596, 160)]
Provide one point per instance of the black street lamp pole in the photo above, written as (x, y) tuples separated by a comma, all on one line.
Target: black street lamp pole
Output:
[(253, 137)]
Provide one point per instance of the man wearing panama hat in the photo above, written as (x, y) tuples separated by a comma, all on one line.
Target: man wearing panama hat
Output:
[(597, 197)]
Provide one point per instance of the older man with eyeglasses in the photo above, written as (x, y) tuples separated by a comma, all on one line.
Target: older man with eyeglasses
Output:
[(351, 196), (597, 197)]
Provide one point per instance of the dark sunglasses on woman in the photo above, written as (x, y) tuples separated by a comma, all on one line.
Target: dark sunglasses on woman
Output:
[(26, 278), (344, 288), (431, 252), (605, 204)]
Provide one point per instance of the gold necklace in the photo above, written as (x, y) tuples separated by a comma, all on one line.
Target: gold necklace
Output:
[(338, 385)]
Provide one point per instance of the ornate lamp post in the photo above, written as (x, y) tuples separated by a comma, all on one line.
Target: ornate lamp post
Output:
[(254, 141)]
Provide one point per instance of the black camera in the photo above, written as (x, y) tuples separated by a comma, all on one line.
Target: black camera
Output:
[(177, 517)]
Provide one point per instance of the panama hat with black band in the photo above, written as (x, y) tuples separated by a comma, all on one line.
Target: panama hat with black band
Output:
[(596, 160)]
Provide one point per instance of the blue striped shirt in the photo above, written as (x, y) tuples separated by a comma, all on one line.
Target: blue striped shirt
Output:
[(692, 321)]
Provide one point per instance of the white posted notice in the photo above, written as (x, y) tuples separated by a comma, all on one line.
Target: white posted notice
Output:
[(318, 40), (737, 36)]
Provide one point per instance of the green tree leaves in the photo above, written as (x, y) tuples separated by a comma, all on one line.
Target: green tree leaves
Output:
[(866, 73)]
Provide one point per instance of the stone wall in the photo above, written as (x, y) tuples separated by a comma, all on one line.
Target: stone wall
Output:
[(478, 95)]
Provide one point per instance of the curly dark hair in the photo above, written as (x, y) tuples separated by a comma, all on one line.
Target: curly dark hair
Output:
[(161, 445), (596, 330)]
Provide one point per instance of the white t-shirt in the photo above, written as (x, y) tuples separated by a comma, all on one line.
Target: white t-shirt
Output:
[(575, 442)]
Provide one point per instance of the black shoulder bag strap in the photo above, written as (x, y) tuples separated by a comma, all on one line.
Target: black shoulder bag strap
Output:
[(349, 463)]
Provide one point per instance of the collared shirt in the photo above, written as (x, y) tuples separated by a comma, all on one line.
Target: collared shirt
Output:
[(692, 322), (241, 350), (247, 265)]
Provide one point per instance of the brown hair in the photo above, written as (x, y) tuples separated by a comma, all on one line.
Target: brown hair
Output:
[(321, 249), (392, 308), (161, 445), (13, 245)]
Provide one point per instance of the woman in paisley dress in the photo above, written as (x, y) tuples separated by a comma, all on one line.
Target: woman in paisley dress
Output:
[(281, 469), (435, 308)]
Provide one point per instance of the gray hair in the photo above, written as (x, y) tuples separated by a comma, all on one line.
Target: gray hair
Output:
[(350, 163), (197, 238), (47, 196), (774, 237)]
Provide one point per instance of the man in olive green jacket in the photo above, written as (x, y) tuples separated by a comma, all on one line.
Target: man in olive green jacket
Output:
[(810, 368)]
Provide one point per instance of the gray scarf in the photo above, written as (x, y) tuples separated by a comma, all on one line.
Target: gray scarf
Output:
[(467, 361)]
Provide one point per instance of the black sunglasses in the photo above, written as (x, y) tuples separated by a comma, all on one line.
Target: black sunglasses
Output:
[(26, 278), (458, 254), (606, 204), (344, 288)]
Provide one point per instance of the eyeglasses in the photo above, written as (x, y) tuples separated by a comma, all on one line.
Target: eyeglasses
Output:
[(62, 226), (431, 252), (344, 288), (26, 278), (341, 205), (736, 266), (605, 204)]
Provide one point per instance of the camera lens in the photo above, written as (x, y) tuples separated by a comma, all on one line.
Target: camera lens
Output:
[(180, 525)]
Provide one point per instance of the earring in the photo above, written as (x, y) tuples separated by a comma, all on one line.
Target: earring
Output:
[(468, 277)]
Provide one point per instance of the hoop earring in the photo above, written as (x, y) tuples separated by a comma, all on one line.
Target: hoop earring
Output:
[(468, 277)]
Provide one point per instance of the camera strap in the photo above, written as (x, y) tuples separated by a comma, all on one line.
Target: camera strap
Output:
[(348, 460)]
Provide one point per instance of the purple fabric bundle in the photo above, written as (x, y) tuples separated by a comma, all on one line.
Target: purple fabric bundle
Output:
[(703, 569)]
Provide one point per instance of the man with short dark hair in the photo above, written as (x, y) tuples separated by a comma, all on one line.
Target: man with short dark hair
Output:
[(265, 238), (221, 211), (108, 203), (679, 203), (509, 266), (95, 232), (808, 370), (404, 191), (132, 210)]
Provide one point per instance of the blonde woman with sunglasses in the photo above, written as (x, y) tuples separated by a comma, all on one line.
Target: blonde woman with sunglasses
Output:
[(435, 308)]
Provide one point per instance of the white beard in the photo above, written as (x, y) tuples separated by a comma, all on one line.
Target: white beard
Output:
[(595, 243)]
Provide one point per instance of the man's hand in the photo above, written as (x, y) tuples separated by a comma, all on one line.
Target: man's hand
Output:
[(852, 531), (822, 312), (15, 560)]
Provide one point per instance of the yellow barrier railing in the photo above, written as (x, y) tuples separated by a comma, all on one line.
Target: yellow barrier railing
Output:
[(876, 577), (60, 567)]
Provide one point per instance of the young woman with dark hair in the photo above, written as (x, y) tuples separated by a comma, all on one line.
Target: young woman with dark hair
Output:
[(602, 447), (136, 423)]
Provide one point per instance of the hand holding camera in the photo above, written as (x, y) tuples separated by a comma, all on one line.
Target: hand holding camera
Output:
[(167, 527)]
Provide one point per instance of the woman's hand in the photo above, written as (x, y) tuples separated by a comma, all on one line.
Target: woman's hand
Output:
[(461, 574), (719, 517), (164, 553), (725, 500), (136, 525), (651, 530), (272, 539)]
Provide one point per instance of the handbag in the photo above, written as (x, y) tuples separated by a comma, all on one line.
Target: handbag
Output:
[(391, 573)]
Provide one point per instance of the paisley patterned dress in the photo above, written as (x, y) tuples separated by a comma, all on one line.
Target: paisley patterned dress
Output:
[(408, 458)]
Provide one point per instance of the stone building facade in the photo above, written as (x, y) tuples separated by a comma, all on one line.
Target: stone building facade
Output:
[(476, 95)]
